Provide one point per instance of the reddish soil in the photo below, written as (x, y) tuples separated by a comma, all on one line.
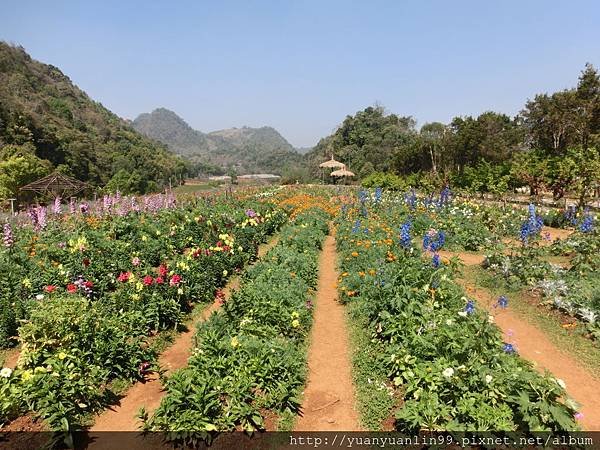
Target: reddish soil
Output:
[(533, 345), (468, 259), (149, 393), (329, 403), (12, 358)]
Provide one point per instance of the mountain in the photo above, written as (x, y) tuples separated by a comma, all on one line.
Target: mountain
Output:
[(47, 123), (246, 150)]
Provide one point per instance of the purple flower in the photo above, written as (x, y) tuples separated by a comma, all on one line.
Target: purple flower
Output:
[(250, 213), (470, 307), (405, 239), (57, 207), (508, 348), (8, 237), (436, 260), (502, 302)]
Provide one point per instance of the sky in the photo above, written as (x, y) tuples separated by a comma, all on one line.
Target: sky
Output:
[(302, 66)]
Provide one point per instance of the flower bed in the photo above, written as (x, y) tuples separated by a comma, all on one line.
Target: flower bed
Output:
[(91, 304), (249, 360), (438, 352)]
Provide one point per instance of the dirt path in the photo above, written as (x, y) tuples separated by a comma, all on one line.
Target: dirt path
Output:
[(329, 403), (149, 393), (533, 345)]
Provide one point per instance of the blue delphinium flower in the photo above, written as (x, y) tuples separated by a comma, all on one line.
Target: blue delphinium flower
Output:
[(378, 192), (435, 260), (533, 225), (571, 215), (362, 196), (508, 348), (470, 307), (502, 302), (434, 241), (587, 224), (411, 199), (356, 226), (405, 239), (426, 241), (445, 196)]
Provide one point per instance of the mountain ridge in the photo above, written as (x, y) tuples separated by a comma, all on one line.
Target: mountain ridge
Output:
[(243, 149)]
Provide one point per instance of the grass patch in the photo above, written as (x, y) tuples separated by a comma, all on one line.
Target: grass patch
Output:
[(191, 188), (546, 319), (375, 404)]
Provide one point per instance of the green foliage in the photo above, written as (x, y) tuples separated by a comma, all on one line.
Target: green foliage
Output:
[(249, 357), (92, 290), (384, 180), (440, 352)]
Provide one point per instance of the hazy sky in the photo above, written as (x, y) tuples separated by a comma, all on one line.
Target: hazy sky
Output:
[(301, 66)]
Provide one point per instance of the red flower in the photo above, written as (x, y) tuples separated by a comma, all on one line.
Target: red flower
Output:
[(86, 262), (148, 280), (159, 280), (71, 288), (123, 277), (162, 270), (219, 244), (175, 280), (226, 248), (50, 288), (88, 284)]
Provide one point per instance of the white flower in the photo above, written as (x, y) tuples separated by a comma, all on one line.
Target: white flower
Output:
[(449, 322), (488, 379), (6, 372), (448, 372), (561, 383), (39, 297), (462, 313), (491, 319)]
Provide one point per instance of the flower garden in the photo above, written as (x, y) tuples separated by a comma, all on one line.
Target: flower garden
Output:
[(92, 295)]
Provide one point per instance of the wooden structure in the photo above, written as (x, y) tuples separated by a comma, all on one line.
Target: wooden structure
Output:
[(56, 185)]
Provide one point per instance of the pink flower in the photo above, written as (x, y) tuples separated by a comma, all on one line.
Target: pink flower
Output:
[(123, 277), (50, 288), (136, 261), (175, 280), (148, 280), (162, 270), (71, 288), (578, 416), (159, 280), (88, 284)]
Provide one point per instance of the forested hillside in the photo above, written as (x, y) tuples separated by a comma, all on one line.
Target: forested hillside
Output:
[(47, 123), (552, 144)]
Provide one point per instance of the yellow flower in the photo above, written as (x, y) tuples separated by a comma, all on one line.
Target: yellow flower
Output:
[(235, 342), (62, 355), (295, 323), (144, 238), (26, 375), (135, 296), (295, 315), (26, 282), (139, 286)]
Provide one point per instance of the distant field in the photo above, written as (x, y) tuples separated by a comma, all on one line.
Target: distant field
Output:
[(190, 188)]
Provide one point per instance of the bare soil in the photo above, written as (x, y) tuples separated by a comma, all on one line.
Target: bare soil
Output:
[(533, 345), (329, 401)]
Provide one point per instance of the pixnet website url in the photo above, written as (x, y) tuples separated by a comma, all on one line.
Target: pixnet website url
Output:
[(350, 441)]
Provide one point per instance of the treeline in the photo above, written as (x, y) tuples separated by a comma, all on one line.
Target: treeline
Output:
[(551, 145), (47, 124)]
